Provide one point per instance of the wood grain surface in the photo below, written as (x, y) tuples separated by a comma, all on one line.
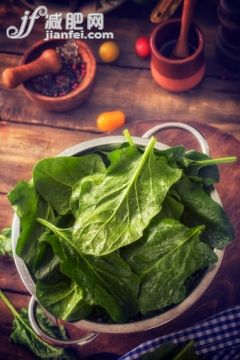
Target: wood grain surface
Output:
[(127, 84)]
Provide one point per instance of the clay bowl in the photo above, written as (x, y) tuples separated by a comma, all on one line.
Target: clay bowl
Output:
[(176, 74), (75, 97)]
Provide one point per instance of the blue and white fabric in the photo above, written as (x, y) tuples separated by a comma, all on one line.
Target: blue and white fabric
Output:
[(217, 338)]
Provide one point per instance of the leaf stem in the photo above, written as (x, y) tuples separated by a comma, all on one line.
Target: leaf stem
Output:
[(185, 350), (225, 160), (127, 135), (8, 304)]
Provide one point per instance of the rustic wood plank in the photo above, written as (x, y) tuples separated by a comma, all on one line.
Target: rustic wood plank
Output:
[(6, 213), (10, 280), (21, 146), (213, 101)]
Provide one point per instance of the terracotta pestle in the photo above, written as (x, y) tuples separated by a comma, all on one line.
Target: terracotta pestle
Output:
[(181, 49), (48, 62)]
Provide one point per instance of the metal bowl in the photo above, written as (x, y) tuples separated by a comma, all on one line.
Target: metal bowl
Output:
[(94, 327)]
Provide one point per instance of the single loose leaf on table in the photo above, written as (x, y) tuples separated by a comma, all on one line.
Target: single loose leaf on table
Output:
[(167, 255), (55, 177), (24, 335), (171, 351), (114, 212)]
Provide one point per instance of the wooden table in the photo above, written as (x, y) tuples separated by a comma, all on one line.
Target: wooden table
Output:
[(28, 134)]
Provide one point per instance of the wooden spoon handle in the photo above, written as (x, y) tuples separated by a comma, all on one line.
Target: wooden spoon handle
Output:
[(48, 62), (164, 10)]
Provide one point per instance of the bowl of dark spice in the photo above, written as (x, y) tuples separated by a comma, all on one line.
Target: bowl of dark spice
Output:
[(71, 85)]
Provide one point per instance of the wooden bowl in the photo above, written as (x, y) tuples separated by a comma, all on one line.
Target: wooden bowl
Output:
[(75, 97)]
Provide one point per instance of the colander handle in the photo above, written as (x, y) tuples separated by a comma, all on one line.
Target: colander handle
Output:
[(32, 307), (198, 136)]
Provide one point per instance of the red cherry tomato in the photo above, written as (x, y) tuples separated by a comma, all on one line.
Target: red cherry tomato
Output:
[(142, 47)]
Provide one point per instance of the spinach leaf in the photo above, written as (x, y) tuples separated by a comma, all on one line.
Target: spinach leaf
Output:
[(46, 265), (171, 351), (55, 177), (114, 212), (5, 242), (208, 174), (164, 352), (24, 335), (196, 165), (27, 204), (176, 155), (202, 209), (167, 255), (64, 299), (171, 208), (56, 292), (107, 280), (85, 187)]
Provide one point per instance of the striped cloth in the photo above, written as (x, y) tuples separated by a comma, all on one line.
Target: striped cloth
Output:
[(217, 338)]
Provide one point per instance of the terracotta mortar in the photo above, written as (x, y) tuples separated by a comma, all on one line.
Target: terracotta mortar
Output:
[(176, 74)]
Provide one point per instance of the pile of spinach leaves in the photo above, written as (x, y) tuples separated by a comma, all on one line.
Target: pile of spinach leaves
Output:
[(116, 236)]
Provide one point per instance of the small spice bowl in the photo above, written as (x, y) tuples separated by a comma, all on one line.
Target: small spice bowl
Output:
[(176, 74), (76, 95)]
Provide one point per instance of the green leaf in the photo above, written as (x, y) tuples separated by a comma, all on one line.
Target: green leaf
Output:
[(27, 204), (176, 155), (108, 280), (202, 209), (167, 255), (171, 208), (64, 299), (164, 352), (24, 335), (195, 164), (171, 351), (114, 212), (55, 177), (5, 242), (85, 186), (56, 292), (187, 352), (209, 174)]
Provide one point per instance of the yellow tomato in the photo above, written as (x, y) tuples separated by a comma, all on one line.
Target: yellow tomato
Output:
[(111, 120), (109, 51)]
